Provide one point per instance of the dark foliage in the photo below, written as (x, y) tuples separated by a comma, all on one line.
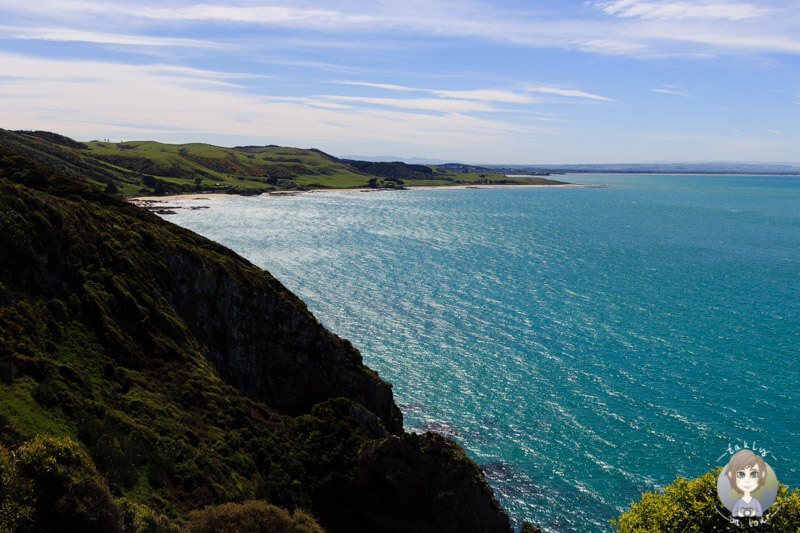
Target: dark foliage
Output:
[(55, 138), (395, 171), (60, 154), (50, 484), (190, 377), (250, 517), (143, 165)]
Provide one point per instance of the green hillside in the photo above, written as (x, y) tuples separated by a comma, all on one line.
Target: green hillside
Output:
[(152, 380), (148, 167)]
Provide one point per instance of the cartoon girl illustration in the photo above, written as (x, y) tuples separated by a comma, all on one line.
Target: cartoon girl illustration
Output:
[(746, 473)]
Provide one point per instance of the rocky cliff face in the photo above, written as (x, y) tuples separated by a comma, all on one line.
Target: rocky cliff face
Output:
[(193, 378), (263, 341), (259, 336), (432, 476)]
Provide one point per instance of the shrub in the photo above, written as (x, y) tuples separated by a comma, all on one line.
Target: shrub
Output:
[(693, 506), (51, 484), (138, 518), (255, 516)]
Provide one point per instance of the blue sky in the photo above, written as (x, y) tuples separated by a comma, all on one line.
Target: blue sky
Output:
[(537, 82)]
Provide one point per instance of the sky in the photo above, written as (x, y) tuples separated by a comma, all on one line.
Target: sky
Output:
[(500, 82)]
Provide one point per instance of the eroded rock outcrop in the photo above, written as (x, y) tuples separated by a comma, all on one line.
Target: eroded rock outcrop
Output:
[(433, 476)]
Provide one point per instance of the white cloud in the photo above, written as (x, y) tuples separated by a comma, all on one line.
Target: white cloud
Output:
[(614, 47), (673, 91), (387, 86), (90, 99), (684, 10), (292, 16), (297, 17), (636, 28), (71, 35), (460, 99), (572, 93), (488, 95), (414, 89), (482, 95), (18, 67), (439, 105)]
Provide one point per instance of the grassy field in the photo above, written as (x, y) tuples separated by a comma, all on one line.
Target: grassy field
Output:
[(203, 166), (137, 168)]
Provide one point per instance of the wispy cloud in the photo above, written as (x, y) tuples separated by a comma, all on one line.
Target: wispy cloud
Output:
[(639, 28), (471, 75), (673, 91), (259, 15), (655, 9), (291, 16), (72, 35), (387, 86), (617, 47), (82, 98), (570, 93), (439, 105), (488, 95), (481, 95)]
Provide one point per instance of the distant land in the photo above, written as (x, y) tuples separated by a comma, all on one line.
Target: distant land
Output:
[(143, 168), (150, 168), (686, 167), (718, 167), (390, 158)]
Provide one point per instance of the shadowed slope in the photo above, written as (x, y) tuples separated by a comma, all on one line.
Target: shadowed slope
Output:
[(193, 378)]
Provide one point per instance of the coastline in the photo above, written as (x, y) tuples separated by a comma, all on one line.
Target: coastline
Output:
[(143, 200)]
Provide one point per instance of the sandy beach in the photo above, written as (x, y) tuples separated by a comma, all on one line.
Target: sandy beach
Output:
[(145, 200)]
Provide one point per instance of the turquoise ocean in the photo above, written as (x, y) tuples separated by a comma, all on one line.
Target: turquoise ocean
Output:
[(584, 344)]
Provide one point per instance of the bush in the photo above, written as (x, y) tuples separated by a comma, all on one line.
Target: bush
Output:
[(254, 516), (693, 506), (51, 484), (138, 518)]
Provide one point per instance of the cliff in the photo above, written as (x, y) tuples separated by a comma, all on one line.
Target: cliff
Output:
[(172, 375)]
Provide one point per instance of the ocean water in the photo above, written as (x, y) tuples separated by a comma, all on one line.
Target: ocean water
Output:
[(583, 344)]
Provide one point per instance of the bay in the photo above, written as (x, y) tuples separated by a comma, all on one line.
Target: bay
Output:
[(583, 344)]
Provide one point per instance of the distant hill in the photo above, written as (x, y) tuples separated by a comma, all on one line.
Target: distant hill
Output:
[(393, 158), (138, 168), (393, 170), (721, 167), (152, 380), (713, 167), (505, 170)]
